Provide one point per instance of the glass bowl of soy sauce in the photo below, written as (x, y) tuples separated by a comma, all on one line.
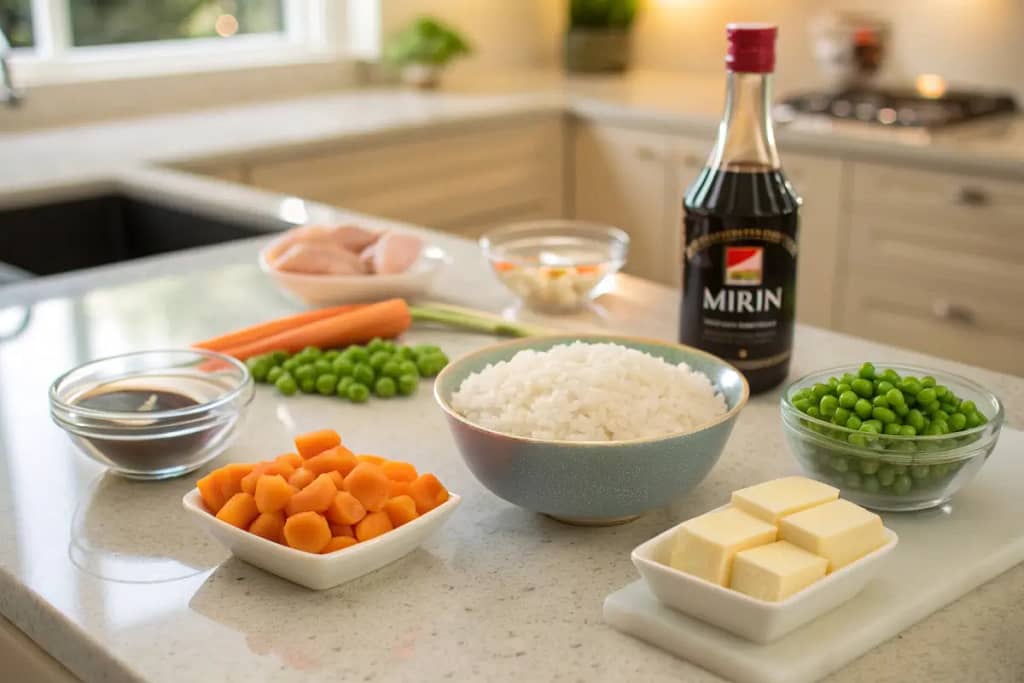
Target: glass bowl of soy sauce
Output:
[(153, 414)]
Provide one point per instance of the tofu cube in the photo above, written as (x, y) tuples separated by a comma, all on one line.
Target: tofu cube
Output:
[(775, 571), (706, 545), (840, 531), (773, 500)]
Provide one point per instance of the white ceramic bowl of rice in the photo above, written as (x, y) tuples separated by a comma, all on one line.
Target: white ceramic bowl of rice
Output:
[(592, 428)]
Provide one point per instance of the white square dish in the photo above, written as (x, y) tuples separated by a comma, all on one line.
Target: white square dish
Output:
[(750, 618), (320, 572)]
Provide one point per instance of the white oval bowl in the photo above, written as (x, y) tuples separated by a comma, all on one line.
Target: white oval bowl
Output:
[(757, 620), (328, 290), (321, 572)]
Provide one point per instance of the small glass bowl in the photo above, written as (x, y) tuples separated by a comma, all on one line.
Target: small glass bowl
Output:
[(555, 266), (892, 473), (154, 444)]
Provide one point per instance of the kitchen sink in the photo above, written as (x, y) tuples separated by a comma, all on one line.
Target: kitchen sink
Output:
[(72, 234)]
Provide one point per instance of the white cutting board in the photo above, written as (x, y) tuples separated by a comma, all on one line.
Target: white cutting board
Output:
[(942, 554)]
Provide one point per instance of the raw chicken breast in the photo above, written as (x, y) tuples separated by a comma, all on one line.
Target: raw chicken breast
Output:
[(393, 253), (347, 237), (318, 259)]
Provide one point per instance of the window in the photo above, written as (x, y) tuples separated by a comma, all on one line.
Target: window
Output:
[(60, 40)]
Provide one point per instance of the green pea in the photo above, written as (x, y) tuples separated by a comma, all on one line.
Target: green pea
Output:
[(910, 400), (828, 405), (877, 423), (863, 408), (375, 344), (260, 369), (869, 427), (290, 365), (847, 378), (928, 381), (321, 367), (869, 465), (833, 382), (425, 349), (304, 372), (363, 374), (886, 475), (942, 425), (848, 399), (933, 429), (957, 421), (820, 390), (862, 387), (342, 367), (801, 404), (407, 384), (941, 391), (931, 408), (327, 384), (895, 397), (841, 416), (940, 415), (804, 393), (378, 359), (919, 471), (405, 353), (908, 430), (310, 352), (853, 422), (343, 384), (902, 485), (839, 463), (949, 408), (433, 363), (884, 387), (891, 428), (858, 440), (900, 410), (286, 384), (891, 376), (967, 407), (331, 355), (814, 412), (275, 373), (408, 367), (910, 386), (356, 354), (392, 369), (867, 371), (358, 393), (915, 418), (973, 419), (278, 356), (842, 388), (852, 480), (880, 401), (308, 385), (385, 387)]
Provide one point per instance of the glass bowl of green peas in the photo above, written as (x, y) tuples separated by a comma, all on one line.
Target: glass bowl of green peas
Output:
[(895, 438)]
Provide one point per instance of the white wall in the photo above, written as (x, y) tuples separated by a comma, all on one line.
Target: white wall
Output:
[(974, 42)]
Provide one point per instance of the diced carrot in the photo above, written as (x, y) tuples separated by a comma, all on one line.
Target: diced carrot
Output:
[(293, 459), (345, 509), (342, 530), (339, 459), (267, 467), (399, 488), (401, 510), (307, 531), (302, 478), (396, 470), (373, 525), (269, 525), (239, 511), (372, 459), (338, 543), (336, 477), (316, 497), (272, 493), (314, 443), (368, 483), (209, 490), (428, 493), (230, 478)]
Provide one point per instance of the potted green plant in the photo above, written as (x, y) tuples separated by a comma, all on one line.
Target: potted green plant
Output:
[(422, 50), (598, 36)]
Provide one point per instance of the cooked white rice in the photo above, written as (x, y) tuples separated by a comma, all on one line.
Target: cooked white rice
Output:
[(588, 392)]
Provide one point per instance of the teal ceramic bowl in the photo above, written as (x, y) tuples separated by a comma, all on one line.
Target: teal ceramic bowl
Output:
[(592, 482)]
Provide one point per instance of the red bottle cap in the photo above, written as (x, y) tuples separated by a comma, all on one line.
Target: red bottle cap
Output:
[(751, 47)]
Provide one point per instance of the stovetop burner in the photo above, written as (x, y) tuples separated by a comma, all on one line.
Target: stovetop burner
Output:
[(901, 108)]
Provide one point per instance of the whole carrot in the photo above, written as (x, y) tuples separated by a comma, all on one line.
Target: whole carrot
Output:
[(385, 319), (253, 333)]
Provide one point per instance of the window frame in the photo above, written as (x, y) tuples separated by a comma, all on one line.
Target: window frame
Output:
[(314, 30)]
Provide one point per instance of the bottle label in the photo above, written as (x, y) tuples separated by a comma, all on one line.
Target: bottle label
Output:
[(739, 292)]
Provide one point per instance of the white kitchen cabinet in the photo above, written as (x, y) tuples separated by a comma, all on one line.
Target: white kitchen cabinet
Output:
[(934, 262), (636, 180), (457, 180)]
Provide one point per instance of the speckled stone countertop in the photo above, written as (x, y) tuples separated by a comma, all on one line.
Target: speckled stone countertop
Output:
[(668, 102), (112, 579)]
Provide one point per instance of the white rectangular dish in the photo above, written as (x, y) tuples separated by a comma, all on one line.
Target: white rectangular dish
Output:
[(320, 572), (753, 619)]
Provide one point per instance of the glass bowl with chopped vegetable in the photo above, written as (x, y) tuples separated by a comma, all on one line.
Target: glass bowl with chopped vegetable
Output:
[(892, 437), (555, 266)]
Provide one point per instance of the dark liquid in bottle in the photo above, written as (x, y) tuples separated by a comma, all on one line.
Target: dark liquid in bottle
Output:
[(739, 269)]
